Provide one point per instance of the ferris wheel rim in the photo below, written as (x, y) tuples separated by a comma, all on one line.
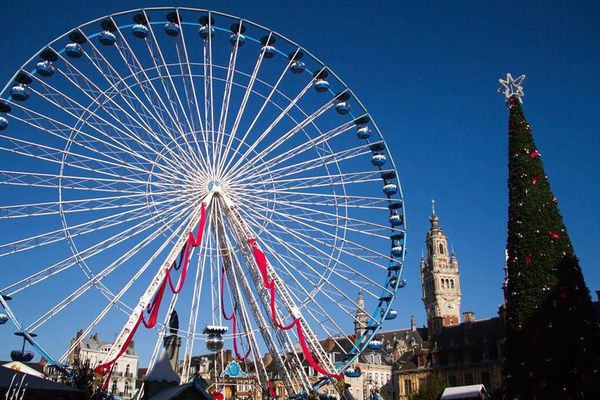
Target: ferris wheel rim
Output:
[(381, 137)]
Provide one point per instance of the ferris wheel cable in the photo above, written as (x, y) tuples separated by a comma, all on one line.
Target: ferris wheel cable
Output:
[(302, 258), (303, 238), (349, 178), (274, 89), (75, 206), (209, 115), (308, 196), (316, 162), (310, 144), (312, 212), (93, 281), (242, 108), (58, 267), (175, 114), (193, 86), (54, 155), (73, 73), (57, 235), (121, 144), (284, 113), (123, 290), (149, 89), (227, 90), (113, 74)]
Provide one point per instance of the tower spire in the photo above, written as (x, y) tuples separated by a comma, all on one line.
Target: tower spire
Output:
[(432, 206)]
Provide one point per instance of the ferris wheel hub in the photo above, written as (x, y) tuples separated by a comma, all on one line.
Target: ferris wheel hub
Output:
[(214, 186)]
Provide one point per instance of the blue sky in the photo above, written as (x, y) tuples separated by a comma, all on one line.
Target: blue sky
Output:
[(427, 72)]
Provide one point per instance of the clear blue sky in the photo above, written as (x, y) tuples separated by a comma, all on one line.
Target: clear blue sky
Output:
[(428, 71)]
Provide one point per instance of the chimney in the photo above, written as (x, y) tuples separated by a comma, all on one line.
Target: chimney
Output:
[(469, 317), (413, 323)]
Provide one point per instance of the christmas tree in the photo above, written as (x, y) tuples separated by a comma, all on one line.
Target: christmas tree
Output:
[(553, 338)]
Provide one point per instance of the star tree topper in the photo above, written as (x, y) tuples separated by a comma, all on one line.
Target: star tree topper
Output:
[(512, 87)]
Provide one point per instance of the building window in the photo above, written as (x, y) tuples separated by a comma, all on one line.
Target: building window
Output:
[(441, 248), (452, 283), (126, 387), (407, 387), (114, 386)]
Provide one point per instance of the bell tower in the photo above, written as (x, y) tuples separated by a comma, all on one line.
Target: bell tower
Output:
[(362, 319), (440, 279)]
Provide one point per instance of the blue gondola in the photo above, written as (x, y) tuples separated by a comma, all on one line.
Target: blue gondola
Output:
[(45, 68), (74, 50), (375, 345), (353, 373), (397, 251), (402, 283), (392, 314), (390, 188), (378, 159), (342, 107), (237, 38), (3, 317), (3, 126), (19, 92), (204, 32), (269, 51), (395, 218), (172, 29), (321, 85), (395, 266), (297, 67), (107, 38), (140, 31), (363, 132)]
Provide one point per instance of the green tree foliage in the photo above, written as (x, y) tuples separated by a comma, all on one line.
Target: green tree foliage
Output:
[(85, 379), (552, 348)]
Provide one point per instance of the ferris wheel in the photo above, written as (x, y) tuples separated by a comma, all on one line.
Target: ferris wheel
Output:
[(182, 159)]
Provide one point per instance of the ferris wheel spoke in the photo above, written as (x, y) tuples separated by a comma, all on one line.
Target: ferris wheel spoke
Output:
[(358, 225), (139, 128), (311, 182), (320, 161), (264, 105), (80, 161), (278, 119), (312, 242), (192, 97), (136, 105), (242, 108), (311, 249), (209, 112), (77, 206), (201, 268), (311, 144), (79, 183), (94, 280), (282, 337), (96, 249), (85, 228), (178, 112), (288, 267), (153, 98), (116, 140), (127, 286)]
